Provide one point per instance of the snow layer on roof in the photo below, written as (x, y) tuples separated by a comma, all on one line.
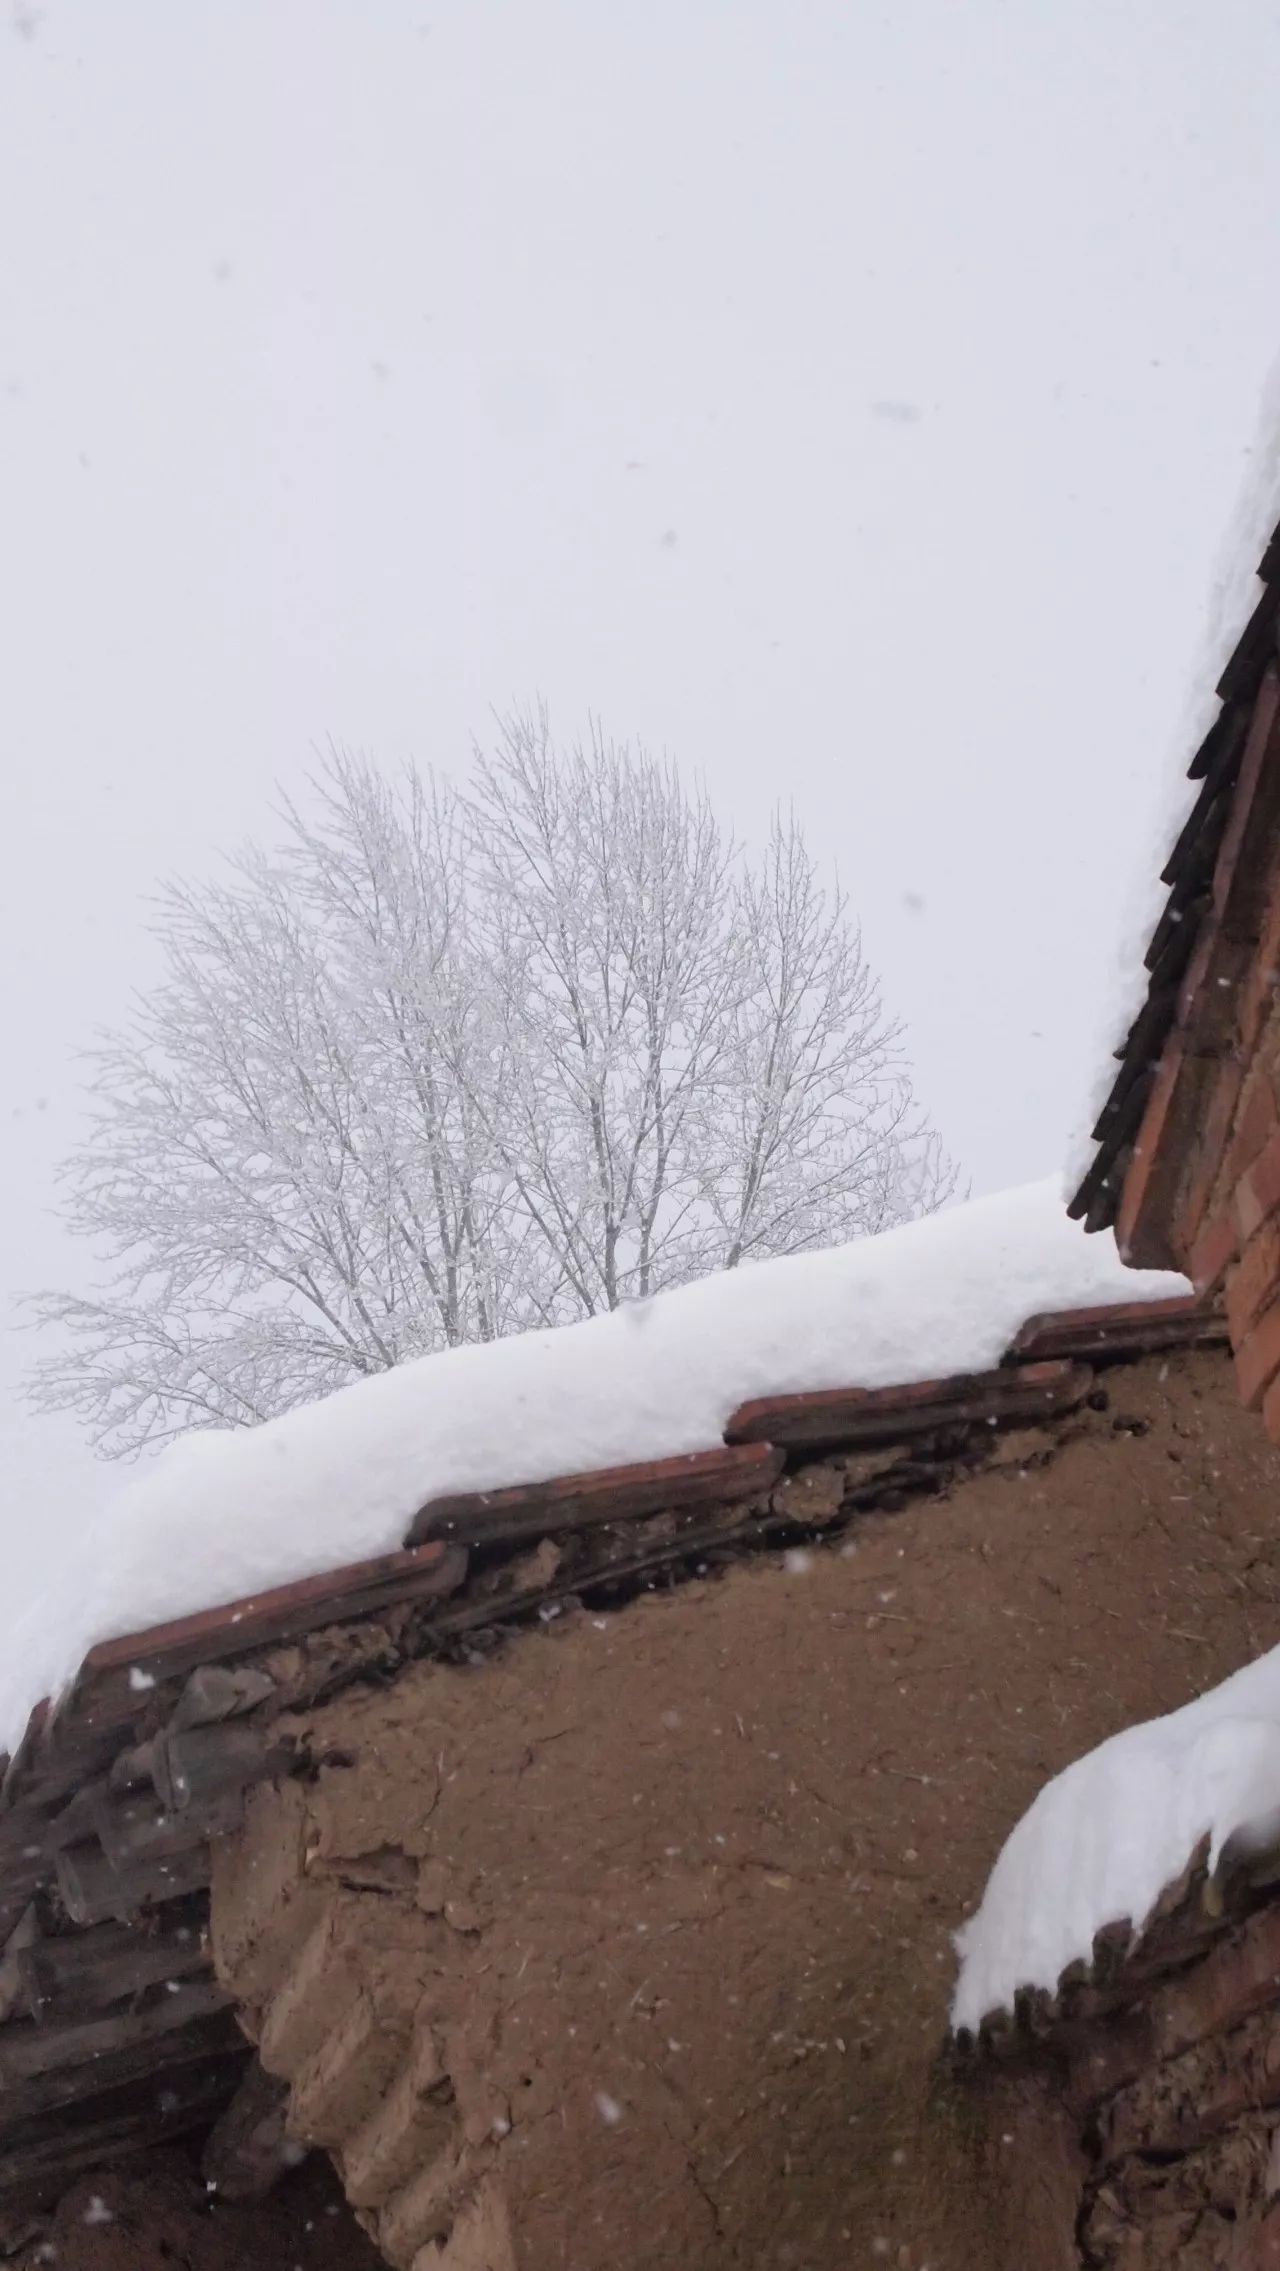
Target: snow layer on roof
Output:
[(1104, 1839), (223, 1514), (1234, 592)]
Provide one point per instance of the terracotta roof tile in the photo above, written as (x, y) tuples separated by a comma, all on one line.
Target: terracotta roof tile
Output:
[(113, 1794)]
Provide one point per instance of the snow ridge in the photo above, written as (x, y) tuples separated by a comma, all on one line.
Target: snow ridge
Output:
[(224, 1514), (1234, 591), (1104, 1839)]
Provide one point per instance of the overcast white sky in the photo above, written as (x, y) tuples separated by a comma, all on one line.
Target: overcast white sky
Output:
[(844, 397)]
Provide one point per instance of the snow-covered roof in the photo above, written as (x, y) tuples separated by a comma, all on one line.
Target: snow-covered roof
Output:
[(223, 1515), (117, 1793), (1162, 925), (1107, 1838)]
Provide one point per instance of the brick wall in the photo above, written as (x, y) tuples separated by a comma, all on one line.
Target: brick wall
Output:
[(1170, 2066), (1227, 1210), (1198, 1065)]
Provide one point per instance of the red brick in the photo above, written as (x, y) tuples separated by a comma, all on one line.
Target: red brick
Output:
[(1255, 1124), (1197, 975), (1260, 984), (1240, 837), (1257, 1194), (1216, 1119), (1258, 1358), (1215, 1248), (1206, 1011), (1175, 2106), (1239, 1976), (1255, 1281), (1261, 989)]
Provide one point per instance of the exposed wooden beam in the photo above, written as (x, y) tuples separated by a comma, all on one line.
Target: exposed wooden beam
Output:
[(44, 2067), (93, 1891), (247, 2150), (80, 1973), (48, 2149), (136, 1831)]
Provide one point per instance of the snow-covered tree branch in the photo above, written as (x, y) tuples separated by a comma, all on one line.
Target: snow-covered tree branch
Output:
[(447, 1064)]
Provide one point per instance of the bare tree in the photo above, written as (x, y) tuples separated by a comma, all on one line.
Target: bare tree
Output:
[(384, 877), (445, 1065), (818, 1137), (607, 915), (283, 1170)]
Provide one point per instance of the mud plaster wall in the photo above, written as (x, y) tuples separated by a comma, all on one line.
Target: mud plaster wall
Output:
[(632, 1944)]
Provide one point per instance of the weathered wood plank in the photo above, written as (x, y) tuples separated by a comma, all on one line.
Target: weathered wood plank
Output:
[(81, 1973), (77, 1820), (62, 2096), (136, 1831), (29, 2052), (215, 1692), (247, 2150), (54, 1758), (92, 1891), (611, 1494), (48, 2147), (17, 1772), (848, 1418), (131, 1769), (15, 1946), (138, 1825), (19, 1879), (157, 2064), (201, 1767)]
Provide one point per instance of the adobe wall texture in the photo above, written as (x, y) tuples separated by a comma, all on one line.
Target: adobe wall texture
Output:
[(632, 1942)]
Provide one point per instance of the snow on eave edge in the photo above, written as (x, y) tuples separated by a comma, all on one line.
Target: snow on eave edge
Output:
[(1105, 1844), (1173, 1320), (1232, 596)]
